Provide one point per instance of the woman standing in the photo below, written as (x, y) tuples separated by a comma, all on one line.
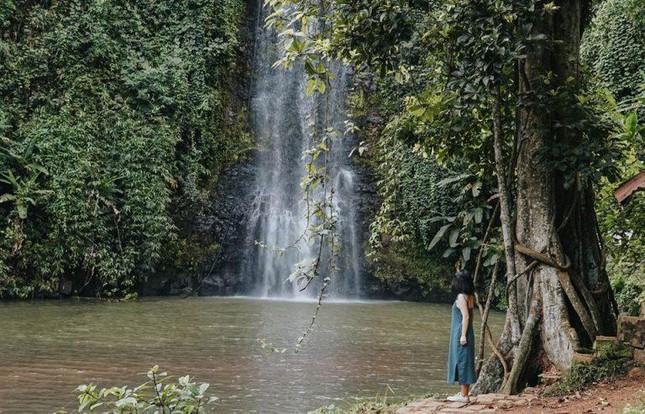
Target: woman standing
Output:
[(461, 353)]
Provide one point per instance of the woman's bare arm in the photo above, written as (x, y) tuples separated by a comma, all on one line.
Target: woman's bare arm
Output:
[(462, 304)]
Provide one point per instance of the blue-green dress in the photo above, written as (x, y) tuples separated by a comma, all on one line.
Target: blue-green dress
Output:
[(461, 359)]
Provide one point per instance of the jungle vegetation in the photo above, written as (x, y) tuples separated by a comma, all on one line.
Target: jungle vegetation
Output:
[(403, 243), (116, 118), (497, 131), (518, 105)]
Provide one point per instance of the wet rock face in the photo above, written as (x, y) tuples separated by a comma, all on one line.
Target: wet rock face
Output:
[(367, 203), (224, 223), (218, 231), (230, 269), (261, 199)]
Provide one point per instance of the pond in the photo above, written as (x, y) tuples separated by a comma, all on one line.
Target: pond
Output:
[(357, 350)]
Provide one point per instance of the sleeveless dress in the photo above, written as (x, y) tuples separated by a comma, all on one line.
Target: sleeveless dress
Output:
[(461, 359)]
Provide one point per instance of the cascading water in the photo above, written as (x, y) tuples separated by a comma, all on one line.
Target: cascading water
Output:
[(284, 121)]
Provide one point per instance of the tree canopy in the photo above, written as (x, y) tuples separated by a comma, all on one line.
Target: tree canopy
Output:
[(498, 95)]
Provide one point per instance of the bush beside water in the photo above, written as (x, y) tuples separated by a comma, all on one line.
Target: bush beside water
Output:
[(156, 395)]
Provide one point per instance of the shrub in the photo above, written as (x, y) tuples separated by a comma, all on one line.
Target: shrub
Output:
[(581, 375), (157, 395)]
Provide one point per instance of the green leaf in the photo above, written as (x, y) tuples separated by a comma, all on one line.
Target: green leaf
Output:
[(418, 110), (322, 86), (310, 87), (309, 68), (630, 124), (22, 209), (490, 260), (438, 236), (452, 239), (451, 180), (448, 253), (441, 218), (477, 186), (7, 197), (465, 253), (479, 213)]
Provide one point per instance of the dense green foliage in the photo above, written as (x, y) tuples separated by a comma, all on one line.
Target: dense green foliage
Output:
[(128, 105), (434, 209), (113, 121), (614, 46), (403, 227), (418, 231), (429, 76), (622, 226), (613, 50), (444, 109)]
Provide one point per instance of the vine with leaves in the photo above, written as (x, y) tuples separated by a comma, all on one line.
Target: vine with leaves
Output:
[(303, 32)]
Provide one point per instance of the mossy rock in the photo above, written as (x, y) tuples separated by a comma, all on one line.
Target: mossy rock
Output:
[(631, 331), (608, 347)]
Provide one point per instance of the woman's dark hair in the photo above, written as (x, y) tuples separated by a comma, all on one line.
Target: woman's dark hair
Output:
[(462, 283)]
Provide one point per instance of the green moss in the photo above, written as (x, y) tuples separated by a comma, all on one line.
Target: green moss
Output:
[(614, 46), (581, 375), (611, 349)]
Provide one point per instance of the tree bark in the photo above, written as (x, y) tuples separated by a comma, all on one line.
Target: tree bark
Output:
[(484, 311), (505, 217), (563, 294)]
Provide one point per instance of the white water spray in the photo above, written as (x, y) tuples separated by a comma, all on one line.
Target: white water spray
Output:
[(284, 121)]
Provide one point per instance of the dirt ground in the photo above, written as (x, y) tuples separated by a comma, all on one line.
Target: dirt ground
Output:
[(600, 398), (604, 397)]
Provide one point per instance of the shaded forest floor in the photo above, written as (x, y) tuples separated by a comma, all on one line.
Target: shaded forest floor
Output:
[(603, 397)]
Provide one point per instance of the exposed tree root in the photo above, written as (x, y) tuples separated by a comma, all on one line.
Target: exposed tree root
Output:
[(577, 304), (541, 257), (505, 211), (565, 281), (495, 369), (484, 312), (524, 348), (496, 351)]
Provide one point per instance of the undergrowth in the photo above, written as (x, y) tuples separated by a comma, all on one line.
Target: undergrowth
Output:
[(366, 407), (378, 405), (582, 375)]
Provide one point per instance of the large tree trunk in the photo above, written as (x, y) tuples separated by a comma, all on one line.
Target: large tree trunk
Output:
[(563, 295)]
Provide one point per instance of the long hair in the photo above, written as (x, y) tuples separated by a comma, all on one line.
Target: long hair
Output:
[(462, 283)]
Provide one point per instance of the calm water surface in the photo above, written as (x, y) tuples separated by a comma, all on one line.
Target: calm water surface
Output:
[(358, 350)]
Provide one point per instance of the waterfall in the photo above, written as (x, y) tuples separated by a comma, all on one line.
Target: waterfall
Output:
[(284, 120)]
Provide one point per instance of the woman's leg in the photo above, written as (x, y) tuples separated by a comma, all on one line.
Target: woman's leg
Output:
[(465, 389)]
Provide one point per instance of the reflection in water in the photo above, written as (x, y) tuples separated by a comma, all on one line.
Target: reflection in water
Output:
[(357, 350)]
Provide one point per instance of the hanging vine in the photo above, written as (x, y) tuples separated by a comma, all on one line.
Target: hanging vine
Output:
[(303, 31)]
